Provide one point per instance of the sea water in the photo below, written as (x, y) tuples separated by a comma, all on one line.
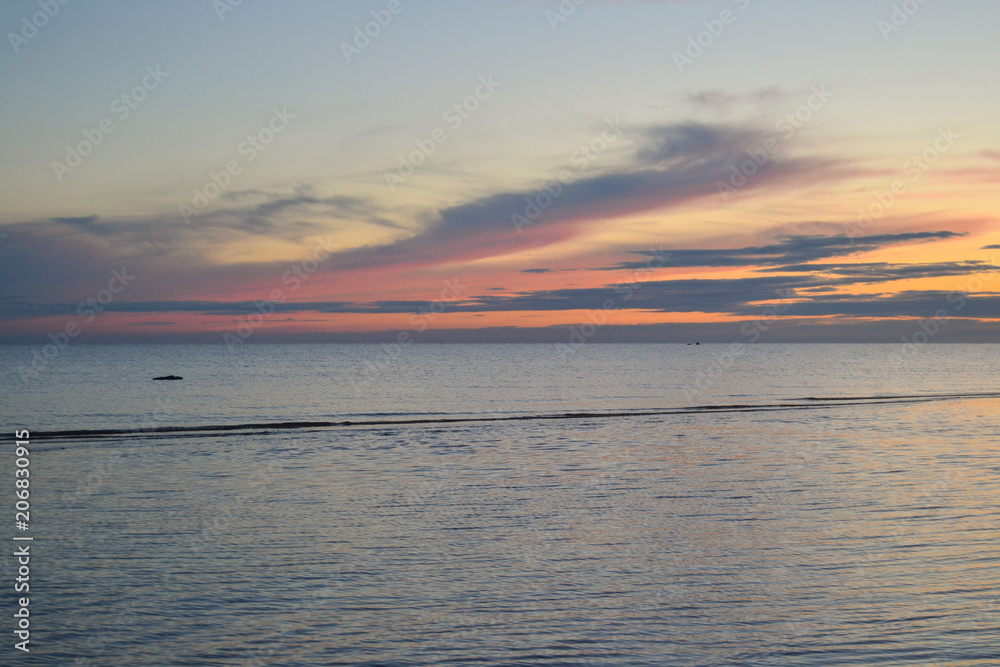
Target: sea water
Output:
[(603, 505)]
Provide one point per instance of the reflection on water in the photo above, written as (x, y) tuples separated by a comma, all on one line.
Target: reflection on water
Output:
[(865, 535), (846, 535)]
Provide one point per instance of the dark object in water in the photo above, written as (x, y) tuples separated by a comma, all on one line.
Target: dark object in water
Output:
[(169, 377)]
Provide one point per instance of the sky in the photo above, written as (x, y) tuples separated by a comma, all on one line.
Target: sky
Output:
[(499, 171)]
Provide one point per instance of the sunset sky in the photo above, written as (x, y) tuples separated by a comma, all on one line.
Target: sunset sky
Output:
[(504, 170)]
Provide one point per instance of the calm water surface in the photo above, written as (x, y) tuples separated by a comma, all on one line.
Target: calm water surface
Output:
[(842, 535)]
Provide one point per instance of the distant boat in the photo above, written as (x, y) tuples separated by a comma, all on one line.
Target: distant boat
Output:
[(169, 377)]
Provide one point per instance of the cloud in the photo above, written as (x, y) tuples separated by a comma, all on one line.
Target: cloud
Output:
[(670, 165), (54, 263), (913, 304), (787, 250), (804, 295), (87, 222), (72, 257), (277, 209), (12, 309), (722, 100), (692, 142), (884, 272), (810, 287)]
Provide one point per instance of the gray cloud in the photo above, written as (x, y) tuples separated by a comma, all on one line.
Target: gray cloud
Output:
[(722, 100), (787, 250), (883, 272), (804, 296), (671, 165), (49, 265), (70, 257)]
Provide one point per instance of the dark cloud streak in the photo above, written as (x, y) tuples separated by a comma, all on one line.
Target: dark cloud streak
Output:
[(787, 250)]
